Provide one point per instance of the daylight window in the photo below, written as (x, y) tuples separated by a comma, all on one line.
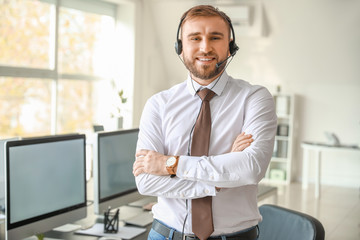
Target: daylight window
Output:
[(54, 58)]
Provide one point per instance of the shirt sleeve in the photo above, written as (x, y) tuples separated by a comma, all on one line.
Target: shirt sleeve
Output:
[(239, 168), (151, 138)]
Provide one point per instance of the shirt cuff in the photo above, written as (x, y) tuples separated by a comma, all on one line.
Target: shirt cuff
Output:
[(187, 170)]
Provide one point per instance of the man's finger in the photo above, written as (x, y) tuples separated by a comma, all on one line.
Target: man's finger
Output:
[(137, 165), (141, 152), (243, 146), (243, 137), (138, 171), (244, 141)]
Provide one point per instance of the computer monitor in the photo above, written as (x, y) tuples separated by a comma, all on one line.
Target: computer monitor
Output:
[(45, 184), (114, 155), (2, 170)]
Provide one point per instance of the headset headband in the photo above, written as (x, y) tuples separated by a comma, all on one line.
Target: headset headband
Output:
[(233, 48)]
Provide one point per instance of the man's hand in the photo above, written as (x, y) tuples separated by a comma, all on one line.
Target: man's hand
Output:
[(241, 142), (150, 162)]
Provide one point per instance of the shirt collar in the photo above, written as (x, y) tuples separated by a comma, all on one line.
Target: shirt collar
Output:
[(216, 86)]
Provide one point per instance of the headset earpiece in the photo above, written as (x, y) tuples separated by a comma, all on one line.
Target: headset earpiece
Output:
[(178, 47), (233, 48)]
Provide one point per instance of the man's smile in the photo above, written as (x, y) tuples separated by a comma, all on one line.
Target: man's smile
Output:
[(206, 60)]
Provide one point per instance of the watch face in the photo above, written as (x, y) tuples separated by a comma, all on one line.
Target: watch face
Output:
[(171, 161)]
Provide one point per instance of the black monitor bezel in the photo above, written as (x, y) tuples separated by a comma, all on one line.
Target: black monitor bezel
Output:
[(41, 140)]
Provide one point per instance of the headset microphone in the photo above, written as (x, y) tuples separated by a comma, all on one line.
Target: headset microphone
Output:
[(223, 61)]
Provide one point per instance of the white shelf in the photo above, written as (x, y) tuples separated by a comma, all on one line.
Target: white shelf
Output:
[(280, 167), (285, 116), (279, 160), (282, 138)]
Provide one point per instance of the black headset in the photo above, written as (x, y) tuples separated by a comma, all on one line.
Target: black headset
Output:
[(233, 48)]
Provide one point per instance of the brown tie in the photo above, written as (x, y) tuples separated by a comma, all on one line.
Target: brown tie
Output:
[(202, 222)]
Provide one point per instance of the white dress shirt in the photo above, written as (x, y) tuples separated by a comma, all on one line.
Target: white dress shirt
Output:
[(166, 127)]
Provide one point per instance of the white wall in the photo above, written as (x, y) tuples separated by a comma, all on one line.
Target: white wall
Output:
[(310, 48)]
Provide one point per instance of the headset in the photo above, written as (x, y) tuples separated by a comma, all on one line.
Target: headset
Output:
[(233, 48)]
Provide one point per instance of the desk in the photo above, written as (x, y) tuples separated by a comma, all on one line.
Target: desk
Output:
[(318, 148), (126, 211), (91, 219)]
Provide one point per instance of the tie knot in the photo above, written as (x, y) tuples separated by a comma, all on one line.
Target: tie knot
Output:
[(206, 94)]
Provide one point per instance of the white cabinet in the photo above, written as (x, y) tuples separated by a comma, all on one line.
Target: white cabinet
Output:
[(280, 168)]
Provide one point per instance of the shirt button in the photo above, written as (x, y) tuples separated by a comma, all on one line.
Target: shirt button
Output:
[(206, 191), (186, 172), (212, 177)]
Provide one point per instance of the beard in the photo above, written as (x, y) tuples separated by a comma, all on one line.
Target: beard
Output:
[(204, 72)]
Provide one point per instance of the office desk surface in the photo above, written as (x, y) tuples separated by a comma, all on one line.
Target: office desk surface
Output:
[(125, 212)]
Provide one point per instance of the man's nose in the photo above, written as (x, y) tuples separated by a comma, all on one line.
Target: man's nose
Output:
[(205, 46)]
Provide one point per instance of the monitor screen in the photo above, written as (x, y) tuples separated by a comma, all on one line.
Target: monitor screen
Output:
[(45, 184), (114, 155)]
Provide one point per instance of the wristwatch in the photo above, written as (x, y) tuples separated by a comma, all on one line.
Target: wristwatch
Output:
[(171, 164)]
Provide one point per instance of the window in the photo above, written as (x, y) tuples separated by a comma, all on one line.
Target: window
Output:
[(55, 58), (25, 106)]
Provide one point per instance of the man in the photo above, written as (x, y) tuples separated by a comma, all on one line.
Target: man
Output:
[(225, 177)]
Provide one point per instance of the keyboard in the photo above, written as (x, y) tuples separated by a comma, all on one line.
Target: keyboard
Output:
[(142, 202), (142, 220)]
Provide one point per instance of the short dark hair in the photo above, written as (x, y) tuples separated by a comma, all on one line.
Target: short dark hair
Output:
[(205, 11)]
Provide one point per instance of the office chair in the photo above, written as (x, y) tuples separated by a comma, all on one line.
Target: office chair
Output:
[(284, 224)]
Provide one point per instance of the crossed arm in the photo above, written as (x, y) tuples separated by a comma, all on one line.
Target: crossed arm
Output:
[(152, 162)]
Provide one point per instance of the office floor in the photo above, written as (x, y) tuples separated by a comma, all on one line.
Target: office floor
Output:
[(338, 209)]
